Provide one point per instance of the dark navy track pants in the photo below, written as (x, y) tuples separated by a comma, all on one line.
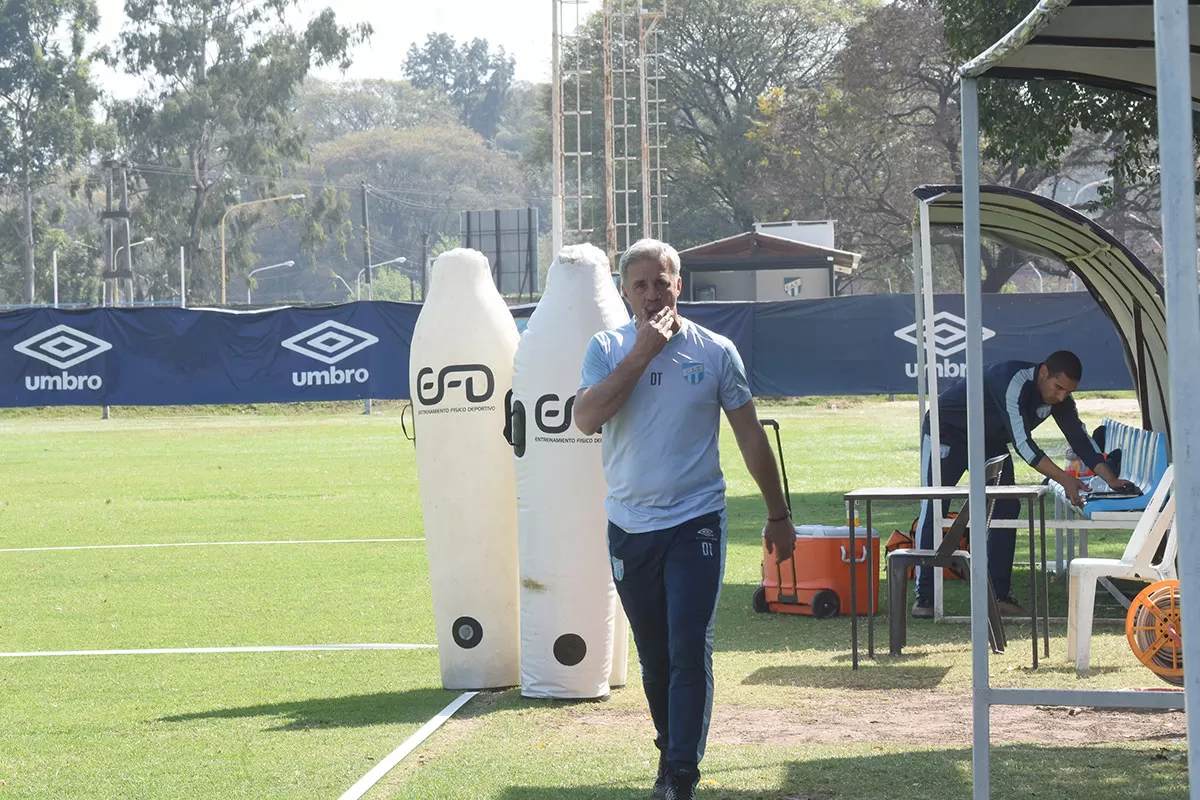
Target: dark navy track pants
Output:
[(669, 582), (1001, 542)]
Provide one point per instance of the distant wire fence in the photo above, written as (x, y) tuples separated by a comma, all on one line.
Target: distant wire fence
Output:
[(69, 306)]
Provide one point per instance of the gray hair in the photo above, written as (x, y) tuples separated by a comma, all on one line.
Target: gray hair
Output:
[(649, 250)]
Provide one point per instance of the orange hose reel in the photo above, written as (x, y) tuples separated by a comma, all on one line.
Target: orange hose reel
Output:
[(1152, 626)]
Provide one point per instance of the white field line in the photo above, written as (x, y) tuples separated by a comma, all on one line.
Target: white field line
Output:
[(159, 651), (200, 544), (384, 767)]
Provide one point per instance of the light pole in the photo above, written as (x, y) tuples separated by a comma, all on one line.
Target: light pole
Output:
[(349, 291), (117, 260), (1038, 272), (147, 240), (250, 275), (358, 280), (243, 205), (1085, 187)]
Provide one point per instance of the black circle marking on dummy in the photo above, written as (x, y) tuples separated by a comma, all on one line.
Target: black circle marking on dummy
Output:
[(467, 632), (569, 649)]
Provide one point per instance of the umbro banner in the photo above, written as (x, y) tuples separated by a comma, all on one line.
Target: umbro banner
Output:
[(167, 356), (867, 344), (844, 345)]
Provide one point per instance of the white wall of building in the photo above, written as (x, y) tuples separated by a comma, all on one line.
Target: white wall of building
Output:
[(763, 285), (739, 285), (818, 232), (791, 284)]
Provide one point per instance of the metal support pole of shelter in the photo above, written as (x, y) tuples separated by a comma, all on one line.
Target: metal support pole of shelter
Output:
[(919, 321), (1172, 38), (1174, 97), (928, 359), (973, 305)]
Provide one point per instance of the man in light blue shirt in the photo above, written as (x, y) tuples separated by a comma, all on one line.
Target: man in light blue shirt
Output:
[(657, 385)]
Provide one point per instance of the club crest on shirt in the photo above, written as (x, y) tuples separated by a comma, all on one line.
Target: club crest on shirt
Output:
[(693, 373), (1043, 411)]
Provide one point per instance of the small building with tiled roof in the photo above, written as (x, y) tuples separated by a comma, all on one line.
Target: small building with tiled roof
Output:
[(758, 266)]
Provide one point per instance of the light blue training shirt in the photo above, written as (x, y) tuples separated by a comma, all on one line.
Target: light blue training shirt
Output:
[(661, 460)]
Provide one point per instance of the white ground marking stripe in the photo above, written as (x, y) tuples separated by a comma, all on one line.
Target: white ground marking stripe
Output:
[(383, 767), (200, 544), (158, 651)]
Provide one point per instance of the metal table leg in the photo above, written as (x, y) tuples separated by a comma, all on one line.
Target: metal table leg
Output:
[(1045, 577), (870, 575), (853, 591), (1033, 586)]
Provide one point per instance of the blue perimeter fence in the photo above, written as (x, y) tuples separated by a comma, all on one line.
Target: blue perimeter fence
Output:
[(171, 356)]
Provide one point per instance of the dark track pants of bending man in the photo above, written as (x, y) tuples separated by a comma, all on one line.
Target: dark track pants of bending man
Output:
[(1002, 542)]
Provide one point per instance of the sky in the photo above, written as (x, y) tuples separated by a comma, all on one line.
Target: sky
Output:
[(521, 27)]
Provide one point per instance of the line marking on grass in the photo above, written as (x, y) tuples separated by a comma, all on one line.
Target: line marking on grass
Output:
[(159, 651), (200, 544), (384, 767)]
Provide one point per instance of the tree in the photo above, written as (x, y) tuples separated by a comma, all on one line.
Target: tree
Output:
[(214, 126), (475, 79), (419, 180), (853, 147), (524, 121), (721, 57), (325, 111), (887, 121), (1034, 122), (46, 98)]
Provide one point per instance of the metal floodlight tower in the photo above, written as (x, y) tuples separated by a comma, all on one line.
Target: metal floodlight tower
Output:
[(650, 50), (635, 136), (632, 174), (571, 133)]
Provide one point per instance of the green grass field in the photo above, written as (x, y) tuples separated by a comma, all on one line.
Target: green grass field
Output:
[(255, 489)]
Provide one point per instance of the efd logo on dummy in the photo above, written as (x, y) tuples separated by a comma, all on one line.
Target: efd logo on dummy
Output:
[(553, 419), (949, 338), (329, 343), (62, 347), (547, 416), (477, 382)]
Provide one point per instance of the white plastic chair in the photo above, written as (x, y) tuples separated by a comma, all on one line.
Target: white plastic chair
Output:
[(1137, 563)]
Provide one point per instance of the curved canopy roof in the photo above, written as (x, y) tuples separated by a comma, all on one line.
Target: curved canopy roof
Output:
[(1103, 43), (1128, 293)]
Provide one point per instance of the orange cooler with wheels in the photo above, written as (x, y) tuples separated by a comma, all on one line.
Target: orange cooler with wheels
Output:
[(816, 579)]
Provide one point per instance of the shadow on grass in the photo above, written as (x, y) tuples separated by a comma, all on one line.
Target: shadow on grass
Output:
[(350, 711), (883, 676), (745, 525), (740, 628), (1017, 771)]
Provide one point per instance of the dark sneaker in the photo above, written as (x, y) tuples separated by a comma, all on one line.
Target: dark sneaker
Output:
[(1010, 608), (660, 782), (681, 787), (922, 610)]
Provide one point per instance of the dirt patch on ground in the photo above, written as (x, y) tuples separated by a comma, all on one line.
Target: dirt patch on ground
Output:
[(937, 718)]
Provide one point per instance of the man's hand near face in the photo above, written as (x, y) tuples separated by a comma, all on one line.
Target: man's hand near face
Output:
[(654, 333)]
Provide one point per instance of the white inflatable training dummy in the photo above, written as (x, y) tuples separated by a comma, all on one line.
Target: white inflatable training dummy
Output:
[(574, 640), (460, 374)]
